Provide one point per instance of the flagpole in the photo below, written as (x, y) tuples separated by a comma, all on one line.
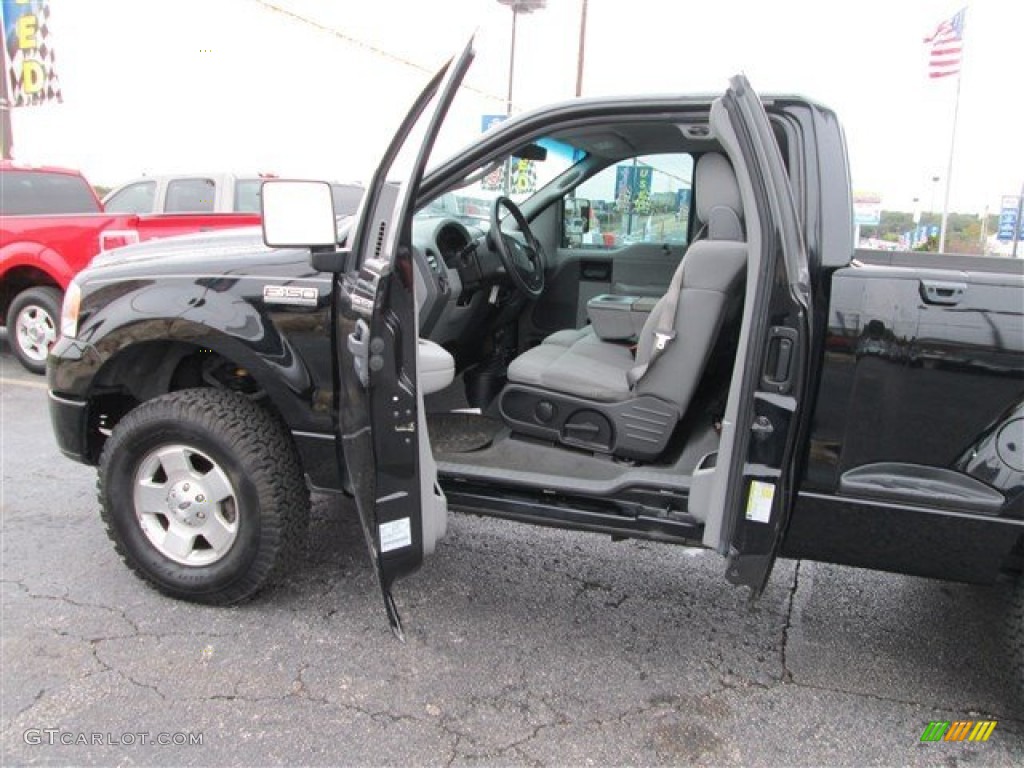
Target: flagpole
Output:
[(949, 168)]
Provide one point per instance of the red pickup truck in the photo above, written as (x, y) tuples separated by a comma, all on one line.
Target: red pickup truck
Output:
[(51, 226)]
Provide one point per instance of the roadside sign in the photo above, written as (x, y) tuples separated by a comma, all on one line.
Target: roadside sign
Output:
[(1008, 223), (633, 187), (867, 209), (489, 121)]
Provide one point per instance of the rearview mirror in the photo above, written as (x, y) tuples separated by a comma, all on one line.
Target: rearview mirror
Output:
[(531, 152), (298, 214)]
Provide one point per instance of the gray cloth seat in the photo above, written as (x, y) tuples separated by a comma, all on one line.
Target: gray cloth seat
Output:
[(588, 368), (579, 364), (570, 336)]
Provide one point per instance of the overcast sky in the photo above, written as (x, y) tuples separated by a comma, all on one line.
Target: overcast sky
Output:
[(152, 86)]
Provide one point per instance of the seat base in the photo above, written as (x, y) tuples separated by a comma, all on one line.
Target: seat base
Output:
[(638, 428)]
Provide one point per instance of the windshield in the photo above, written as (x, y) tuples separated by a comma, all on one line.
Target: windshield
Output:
[(517, 177)]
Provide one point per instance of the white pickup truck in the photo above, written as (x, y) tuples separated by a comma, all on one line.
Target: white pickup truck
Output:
[(208, 193)]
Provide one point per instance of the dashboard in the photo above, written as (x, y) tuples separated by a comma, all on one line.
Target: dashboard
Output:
[(458, 277)]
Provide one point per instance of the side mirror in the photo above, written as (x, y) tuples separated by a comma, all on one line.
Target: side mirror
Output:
[(584, 209), (576, 223), (298, 214)]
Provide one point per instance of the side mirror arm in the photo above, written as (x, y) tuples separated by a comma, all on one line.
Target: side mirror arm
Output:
[(329, 259)]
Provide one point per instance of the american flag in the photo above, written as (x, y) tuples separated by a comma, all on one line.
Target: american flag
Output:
[(947, 47)]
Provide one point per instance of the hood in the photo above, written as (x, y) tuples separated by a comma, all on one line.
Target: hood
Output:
[(201, 248), (226, 251)]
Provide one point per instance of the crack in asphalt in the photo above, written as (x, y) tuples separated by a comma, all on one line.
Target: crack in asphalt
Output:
[(787, 675), (120, 612), (514, 700), (35, 700), (908, 702)]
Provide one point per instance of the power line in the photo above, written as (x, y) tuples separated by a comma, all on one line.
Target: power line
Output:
[(377, 50)]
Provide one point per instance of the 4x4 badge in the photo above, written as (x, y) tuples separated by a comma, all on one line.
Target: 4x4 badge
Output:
[(291, 294)]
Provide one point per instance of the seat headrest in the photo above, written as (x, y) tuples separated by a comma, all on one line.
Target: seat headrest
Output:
[(718, 197)]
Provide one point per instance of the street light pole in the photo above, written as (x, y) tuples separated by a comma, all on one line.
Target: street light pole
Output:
[(1017, 226), (583, 43), (517, 6), (511, 60)]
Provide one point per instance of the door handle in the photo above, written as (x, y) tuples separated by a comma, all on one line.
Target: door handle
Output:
[(942, 293), (780, 362)]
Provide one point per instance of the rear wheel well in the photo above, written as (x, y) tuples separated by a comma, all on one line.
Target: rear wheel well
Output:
[(148, 370)]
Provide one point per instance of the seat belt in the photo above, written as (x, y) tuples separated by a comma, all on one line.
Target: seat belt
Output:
[(664, 328)]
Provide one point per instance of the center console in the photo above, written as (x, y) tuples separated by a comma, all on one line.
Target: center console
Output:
[(619, 318)]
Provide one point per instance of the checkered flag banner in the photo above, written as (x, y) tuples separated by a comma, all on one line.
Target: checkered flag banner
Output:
[(32, 75)]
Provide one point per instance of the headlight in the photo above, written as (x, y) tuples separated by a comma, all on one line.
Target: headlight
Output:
[(69, 310)]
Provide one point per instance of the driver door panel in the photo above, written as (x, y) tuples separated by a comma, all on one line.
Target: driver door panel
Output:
[(580, 274)]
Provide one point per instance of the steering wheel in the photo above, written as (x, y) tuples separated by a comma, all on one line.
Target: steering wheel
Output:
[(524, 263)]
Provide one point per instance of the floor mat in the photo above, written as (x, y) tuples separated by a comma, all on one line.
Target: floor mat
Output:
[(461, 432)]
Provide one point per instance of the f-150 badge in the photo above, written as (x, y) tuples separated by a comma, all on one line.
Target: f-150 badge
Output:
[(291, 294)]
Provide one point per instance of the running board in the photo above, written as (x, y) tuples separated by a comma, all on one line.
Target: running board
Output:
[(617, 518)]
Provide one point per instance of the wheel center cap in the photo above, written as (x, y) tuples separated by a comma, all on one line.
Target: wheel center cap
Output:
[(188, 502)]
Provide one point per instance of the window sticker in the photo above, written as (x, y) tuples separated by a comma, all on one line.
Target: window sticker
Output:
[(395, 535)]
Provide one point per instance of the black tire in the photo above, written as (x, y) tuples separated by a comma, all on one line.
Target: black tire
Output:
[(41, 308), (251, 448)]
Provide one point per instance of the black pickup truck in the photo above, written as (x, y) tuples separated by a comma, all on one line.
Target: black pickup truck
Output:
[(642, 317)]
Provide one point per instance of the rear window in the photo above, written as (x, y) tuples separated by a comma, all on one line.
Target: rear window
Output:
[(25, 193)]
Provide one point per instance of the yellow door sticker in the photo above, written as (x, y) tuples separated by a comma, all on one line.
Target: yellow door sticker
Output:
[(759, 502)]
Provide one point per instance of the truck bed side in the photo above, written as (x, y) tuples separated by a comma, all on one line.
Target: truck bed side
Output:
[(915, 457)]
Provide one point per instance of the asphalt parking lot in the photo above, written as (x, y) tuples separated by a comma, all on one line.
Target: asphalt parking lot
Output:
[(525, 646)]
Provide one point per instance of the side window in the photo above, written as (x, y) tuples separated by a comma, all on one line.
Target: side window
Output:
[(644, 199), (190, 196), (135, 198), (247, 195)]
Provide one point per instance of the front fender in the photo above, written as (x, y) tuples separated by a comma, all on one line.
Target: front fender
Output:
[(203, 314)]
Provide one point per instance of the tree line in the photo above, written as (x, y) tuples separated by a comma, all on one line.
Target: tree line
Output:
[(963, 230)]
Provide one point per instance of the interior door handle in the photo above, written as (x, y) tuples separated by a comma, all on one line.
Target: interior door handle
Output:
[(780, 362), (359, 346), (940, 292)]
